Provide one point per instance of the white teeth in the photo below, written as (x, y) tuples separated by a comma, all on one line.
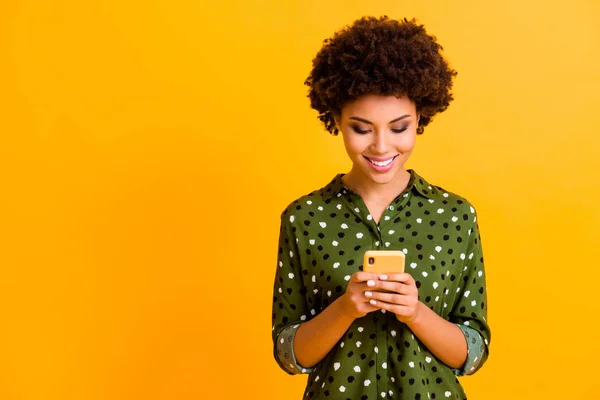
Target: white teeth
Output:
[(383, 163)]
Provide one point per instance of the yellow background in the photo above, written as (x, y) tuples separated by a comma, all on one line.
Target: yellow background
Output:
[(148, 147)]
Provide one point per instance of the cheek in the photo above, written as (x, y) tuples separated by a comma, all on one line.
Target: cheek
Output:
[(355, 145), (406, 143)]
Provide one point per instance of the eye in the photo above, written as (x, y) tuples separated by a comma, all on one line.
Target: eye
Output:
[(400, 130), (355, 129)]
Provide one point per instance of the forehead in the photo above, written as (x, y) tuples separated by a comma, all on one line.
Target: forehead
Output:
[(378, 107)]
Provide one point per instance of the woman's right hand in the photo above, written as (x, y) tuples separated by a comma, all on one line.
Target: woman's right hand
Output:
[(354, 301)]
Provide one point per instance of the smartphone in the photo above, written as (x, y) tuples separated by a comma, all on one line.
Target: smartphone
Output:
[(384, 261)]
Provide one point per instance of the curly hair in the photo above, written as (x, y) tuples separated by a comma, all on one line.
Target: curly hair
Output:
[(380, 56)]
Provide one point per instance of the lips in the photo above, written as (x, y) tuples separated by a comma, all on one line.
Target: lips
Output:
[(381, 162)]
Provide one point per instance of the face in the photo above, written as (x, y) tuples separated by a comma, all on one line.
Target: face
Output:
[(379, 134)]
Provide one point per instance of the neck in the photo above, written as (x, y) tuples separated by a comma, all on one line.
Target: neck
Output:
[(374, 191)]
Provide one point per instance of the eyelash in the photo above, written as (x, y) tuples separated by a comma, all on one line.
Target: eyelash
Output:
[(393, 130)]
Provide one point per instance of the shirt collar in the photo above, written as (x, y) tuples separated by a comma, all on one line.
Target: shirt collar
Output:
[(416, 183)]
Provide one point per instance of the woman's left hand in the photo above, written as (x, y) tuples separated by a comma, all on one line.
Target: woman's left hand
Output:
[(402, 298)]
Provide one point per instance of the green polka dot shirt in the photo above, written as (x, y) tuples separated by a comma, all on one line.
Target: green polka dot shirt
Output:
[(322, 240)]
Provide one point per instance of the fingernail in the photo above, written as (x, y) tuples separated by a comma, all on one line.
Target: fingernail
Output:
[(368, 294), (371, 283), (373, 302), (383, 277)]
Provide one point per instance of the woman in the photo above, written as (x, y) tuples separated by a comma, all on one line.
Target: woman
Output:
[(362, 335)]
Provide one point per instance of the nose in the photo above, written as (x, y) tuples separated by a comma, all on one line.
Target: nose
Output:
[(380, 143)]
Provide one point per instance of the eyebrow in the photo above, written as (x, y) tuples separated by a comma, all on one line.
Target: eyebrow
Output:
[(369, 122)]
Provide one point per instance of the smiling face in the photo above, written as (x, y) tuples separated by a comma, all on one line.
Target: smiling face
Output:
[(379, 134)]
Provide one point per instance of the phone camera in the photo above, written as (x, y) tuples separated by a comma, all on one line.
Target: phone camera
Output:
[(371, 261)]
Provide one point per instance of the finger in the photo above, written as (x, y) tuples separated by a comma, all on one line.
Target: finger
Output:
[(388, 297), (362, 276), (404, 278), (399, 310), (396, 287)]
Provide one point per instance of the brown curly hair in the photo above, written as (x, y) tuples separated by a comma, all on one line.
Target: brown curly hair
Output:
[(380, 56)]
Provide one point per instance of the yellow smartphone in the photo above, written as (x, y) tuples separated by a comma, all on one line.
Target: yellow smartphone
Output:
[(384, 261)]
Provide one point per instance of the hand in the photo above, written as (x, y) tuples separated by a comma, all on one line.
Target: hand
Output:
[(402, 298), (354, 302)]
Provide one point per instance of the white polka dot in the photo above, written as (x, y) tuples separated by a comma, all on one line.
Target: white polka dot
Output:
[(357, 369), (323, 224), (357, 210), (391, 232), (376, 350), (438, 248), (315, 291), (339, 206), (308, 202), (369, 217), (448, 394), (360, 329), (440, 210), (437, 298), (329, 293), (462, 256), (424, 273), (467, 293), (419, 220), (428, 359), (291, 254), (335, 265), (377, 243), (471, 256), (432, 257), (480, 273), (405, 251), (467, 323), (384, 365), (314, 279), (413, 265), (367, 382), (280, 264), (387, 217), (472, 210), (311, 241), (393, 333), (473, 303), (335, 243), (358, 344), (280, 291), (344, 226), (393, 379), (282, 341), (292, 218), (342, 389), (359, 235), (391, 393), (317, 378), (431, 201), (445, 195), (347, 278), (387, 244), (411, 364), (342, 345), (313, 312), (320, 208), (454, 219), (336, 366), (291, 275), (382, 394), (303, 318), (435, 285), (391, 208)]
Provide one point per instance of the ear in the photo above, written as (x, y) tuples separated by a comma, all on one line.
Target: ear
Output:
[(338, 123), (418, 118)]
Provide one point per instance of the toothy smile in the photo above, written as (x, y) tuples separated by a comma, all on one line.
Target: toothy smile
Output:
[(381, 162)]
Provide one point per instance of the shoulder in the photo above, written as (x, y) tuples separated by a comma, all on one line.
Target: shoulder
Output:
[(305, 206), (457, 203)]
